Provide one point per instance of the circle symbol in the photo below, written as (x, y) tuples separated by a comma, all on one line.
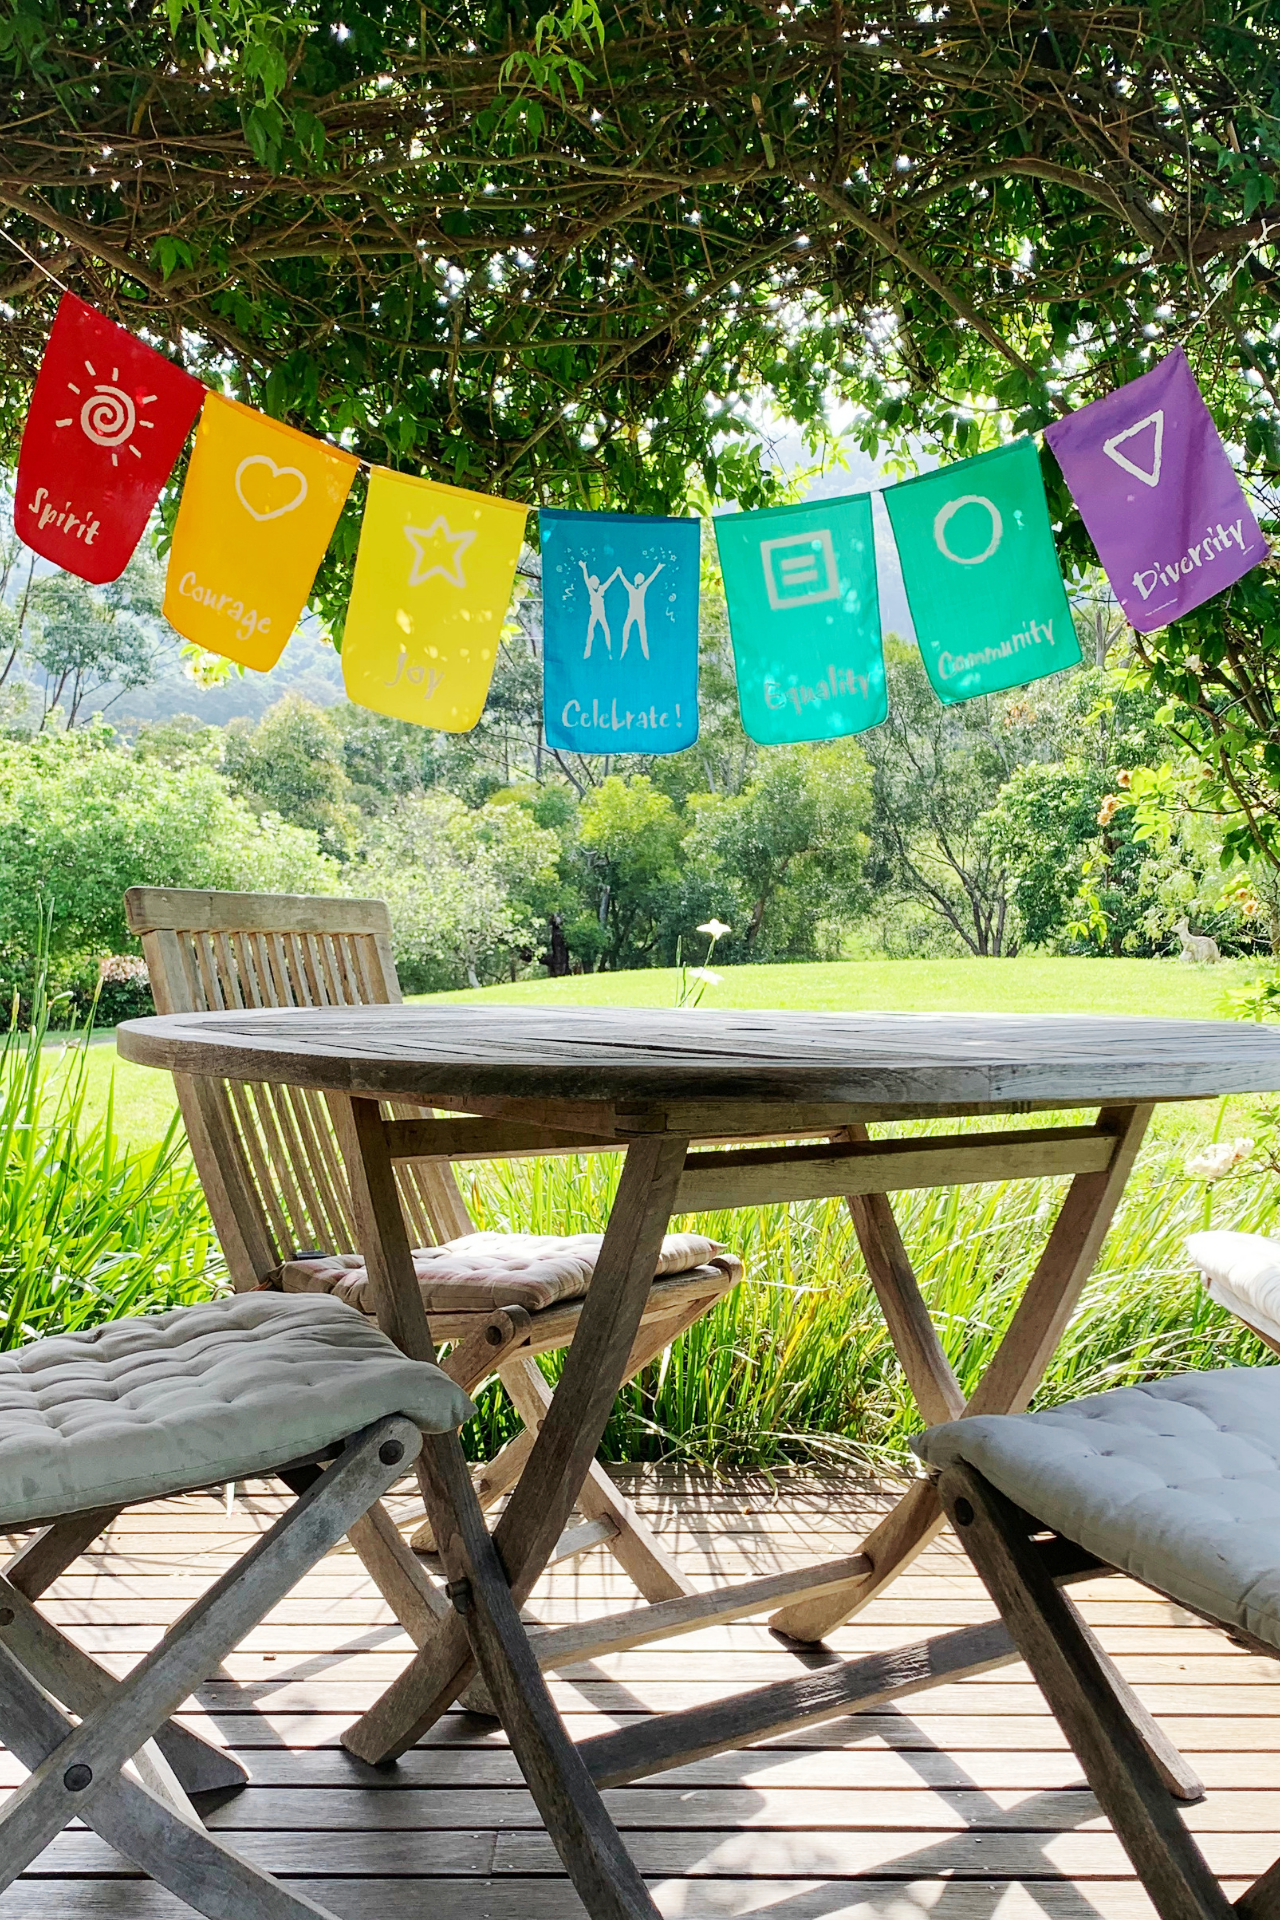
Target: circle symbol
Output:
[(943, 517), (108, 416)]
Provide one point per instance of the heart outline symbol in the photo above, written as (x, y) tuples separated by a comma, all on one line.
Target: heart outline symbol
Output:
[(277, 473)]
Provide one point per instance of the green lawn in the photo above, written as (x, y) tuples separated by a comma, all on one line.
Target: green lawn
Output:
[(911, 986), (145, 1103)]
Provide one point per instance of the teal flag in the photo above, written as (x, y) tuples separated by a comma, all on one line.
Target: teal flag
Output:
[(982, 575), (800, 583)]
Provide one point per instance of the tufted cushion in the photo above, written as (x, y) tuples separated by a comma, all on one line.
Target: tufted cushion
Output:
[(139, 1408), (1177, 1483), (1242, 1273), (480, 1271)]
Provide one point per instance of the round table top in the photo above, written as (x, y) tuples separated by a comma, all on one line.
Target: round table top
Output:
[(631, 1058)]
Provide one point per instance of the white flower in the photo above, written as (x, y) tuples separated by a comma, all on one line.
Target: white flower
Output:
[(705, 973), (1213, 1161), (1193, 663), (716, 928)]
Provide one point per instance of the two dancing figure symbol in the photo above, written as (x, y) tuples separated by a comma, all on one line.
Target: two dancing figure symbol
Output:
[(598, 617)]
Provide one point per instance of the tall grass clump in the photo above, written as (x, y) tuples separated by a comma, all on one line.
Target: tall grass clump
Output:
[(91, 1229), (796, 1364)]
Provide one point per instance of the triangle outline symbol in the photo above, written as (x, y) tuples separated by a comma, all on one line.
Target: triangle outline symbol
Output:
[(1149, 477)]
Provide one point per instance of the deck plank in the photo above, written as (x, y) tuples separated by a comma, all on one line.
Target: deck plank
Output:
[(966, 1800)]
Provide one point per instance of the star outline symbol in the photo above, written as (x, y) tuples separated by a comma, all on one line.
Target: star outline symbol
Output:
[(423, 570)]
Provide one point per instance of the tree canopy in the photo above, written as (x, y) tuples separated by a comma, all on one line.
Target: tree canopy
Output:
[(581, 257), (559, 256)]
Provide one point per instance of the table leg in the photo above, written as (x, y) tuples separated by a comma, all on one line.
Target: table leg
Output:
[(489, 1576), (1009, 1382), (564, 1449)]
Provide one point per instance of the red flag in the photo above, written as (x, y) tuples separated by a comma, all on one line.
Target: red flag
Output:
[(108, 418)]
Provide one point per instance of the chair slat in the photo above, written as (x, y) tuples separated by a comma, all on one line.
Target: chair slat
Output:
[(207, 962), (302, 1192), (311, 1118), (286, 1187)]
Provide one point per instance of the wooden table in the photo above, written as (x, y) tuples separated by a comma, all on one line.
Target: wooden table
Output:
[(652, 1083)]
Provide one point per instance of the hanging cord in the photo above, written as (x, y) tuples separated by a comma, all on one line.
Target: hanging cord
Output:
[(366, 465), (38, 264)]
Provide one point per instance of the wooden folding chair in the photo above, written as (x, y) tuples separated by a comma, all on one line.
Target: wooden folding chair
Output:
[(1176, 1484), (270, 1164), (136, 1410), (1241, 1271)]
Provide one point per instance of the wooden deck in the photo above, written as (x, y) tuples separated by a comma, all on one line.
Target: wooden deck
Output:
[(964, 1804)]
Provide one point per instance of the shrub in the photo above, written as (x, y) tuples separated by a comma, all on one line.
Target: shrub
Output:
[(81, 820)]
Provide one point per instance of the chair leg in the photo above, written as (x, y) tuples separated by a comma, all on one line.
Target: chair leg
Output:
[(1117, 1765), (49, 1553), (635, 1546), (87, 1762), (175, 1850), (199, 1766), (1179, 1777), (490, 1481)]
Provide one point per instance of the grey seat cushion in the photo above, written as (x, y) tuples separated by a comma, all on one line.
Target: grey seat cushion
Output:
[(135, 1409), (1177, 1483)]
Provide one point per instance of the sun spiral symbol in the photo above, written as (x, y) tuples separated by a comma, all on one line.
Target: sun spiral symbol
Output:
[(109, 415)]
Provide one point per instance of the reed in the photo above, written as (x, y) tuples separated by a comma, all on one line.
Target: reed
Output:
[(90, 1228), (796, 1365)]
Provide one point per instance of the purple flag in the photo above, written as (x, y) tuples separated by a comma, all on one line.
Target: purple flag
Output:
[(1158, 494)]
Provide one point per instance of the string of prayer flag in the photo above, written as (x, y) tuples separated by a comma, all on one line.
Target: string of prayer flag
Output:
[(619, 631), (1158, 493), (107, 421), (433, 581), (258, 509), (804, 617), (981, 573), (436, 564)]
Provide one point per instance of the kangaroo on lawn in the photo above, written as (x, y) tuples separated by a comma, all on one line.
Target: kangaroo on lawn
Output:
[(1196, 946)]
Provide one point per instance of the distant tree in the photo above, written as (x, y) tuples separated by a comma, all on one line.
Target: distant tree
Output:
[(1080, 877), (85, 642), (783, 858), (292, 764), (629, 842), (459, 882), (178, 741)]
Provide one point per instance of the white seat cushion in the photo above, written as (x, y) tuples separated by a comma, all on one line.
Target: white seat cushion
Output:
[(135, 1409), (1177, 1483), (480, 1271), (1242, 1273)]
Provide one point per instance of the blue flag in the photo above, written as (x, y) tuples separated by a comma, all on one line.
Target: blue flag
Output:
[(800, 585), (619, 632)]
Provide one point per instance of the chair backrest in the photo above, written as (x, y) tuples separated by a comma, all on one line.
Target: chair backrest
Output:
[(268, 1155)]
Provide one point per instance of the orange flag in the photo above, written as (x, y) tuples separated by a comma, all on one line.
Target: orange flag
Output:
[(257, 512), (433, 583)]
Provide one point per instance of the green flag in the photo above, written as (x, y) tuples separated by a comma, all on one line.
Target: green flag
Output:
[(800, 584), (982, 575)]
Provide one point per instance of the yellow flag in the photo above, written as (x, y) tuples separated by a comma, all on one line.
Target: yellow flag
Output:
[(257, 512), (433, 582)]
